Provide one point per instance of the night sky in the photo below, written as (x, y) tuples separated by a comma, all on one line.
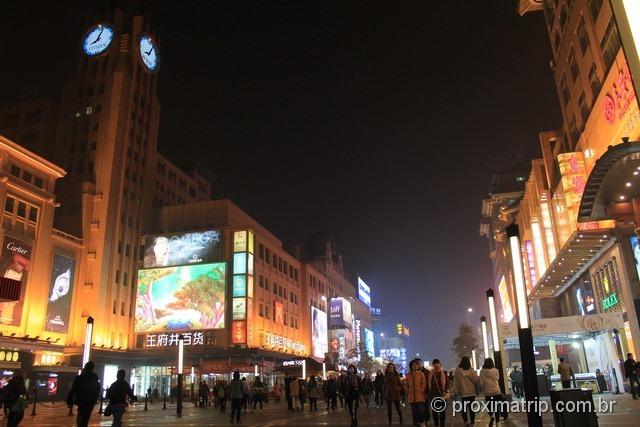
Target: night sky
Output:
[(377, 123)]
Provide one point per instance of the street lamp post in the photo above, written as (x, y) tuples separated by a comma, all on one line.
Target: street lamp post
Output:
[(469, 311), (180, 374), (88, 337), (497, 356), (474, 363), (525, 336), (485, 339)]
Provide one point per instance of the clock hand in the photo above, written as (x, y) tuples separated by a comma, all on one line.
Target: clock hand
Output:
[(99, 35), (150, 50)]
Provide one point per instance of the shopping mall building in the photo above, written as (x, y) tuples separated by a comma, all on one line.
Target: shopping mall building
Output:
[(576, 210), (120, 235)]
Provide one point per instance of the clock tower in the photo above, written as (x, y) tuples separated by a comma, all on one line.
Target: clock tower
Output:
[(106, 140)]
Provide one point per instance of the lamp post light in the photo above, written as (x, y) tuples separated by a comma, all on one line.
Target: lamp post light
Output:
[(474, 363), (497, 356), (485, 338), (88, 337), (525, 335), (304, 369), (324, 371), (180, 374), (469, 311)]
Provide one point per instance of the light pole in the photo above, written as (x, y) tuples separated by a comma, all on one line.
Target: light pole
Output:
[(88, 337), (180, 375), (497, 356), (469, 311), (525, 336), (485, 338), (474, 364)]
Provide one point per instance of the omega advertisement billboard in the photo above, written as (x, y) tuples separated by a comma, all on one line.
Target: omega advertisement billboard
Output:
[(60, 291), (339, 313), (15, 259), (169, 250), (184, 298)]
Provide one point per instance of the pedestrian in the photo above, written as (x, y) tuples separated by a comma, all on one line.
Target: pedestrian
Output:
[(341, 384), (258, 393), (245, 394), (15, 393), (237, 390), (438, 387), (631, 373), (84, 392), (312, 392), (465, 385), (516, 382), (294, 393), (367, 389), (566, 373), (425, 372), (378, 386), (118, 394), (203, 393), (331, 392), (392, 390), (489, 379), (277, 391), (221, 391), (416, 386), (287, 391), (302, 392), (352, 388)]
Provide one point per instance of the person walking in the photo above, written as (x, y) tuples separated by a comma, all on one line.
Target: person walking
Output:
[(203, 394), (287, 390), (489, 379), (341, 383), (465, 384), (302, 392), (119, 393), (294, 392), (367, 389), (237, 389), (331, 393), (277, 391), (352, 388), (378, 386), (221, 391), (312, 392), (246, 395), (631, 373), (15, 393), (437, 387), (416, 386), (84, 392), (566, 373), (258, 390), (392, 390)]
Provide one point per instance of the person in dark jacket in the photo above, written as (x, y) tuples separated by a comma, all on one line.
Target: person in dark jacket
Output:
[(367, 389), (378, 385), (237, 390), (331, 392), (14, 400), (352, 389), (84, 393), (392, 390), (631, 372), (119, 393), (287, 390)]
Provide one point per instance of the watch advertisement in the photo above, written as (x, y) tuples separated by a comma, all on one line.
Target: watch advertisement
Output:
[(60, 292), (171, 250), (15, 260)]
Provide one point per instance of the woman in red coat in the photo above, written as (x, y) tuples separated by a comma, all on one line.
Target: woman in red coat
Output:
[(392, 390)]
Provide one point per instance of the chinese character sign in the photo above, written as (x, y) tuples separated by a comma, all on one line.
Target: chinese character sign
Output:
[(169, 340)]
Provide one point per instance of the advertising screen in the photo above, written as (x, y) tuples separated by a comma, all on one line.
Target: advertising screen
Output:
[(319, 338), (240, 286), (60, 291), (181, 298), (339, 313), (14, 264), (239, 309), (170, 250), (368, 342), (636, 253), (364, 292)]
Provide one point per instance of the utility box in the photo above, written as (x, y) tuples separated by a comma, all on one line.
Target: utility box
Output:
[(578, 408)]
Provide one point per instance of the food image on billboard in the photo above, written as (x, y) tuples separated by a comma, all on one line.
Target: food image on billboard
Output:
[(368, 342), (364, 292), (170, 250), (60, 291), (239, 309), (15, 259), (339, 313), (190, 297), (319, 338)]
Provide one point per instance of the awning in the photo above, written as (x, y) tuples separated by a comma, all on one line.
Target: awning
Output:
[(578, 253)]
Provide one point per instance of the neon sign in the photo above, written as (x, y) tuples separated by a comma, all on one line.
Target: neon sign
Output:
[(619, 99)]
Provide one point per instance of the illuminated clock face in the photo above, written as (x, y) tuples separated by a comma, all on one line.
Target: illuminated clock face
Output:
[(97, 40), (149, 53)]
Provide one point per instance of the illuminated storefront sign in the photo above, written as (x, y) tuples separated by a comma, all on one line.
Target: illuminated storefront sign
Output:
[(364, 292), (619, 98), (293, 363), (169, 340), (241, 310), (376, 311), (531, 265), (507, 309), (401, 329), (339, 313), (275, 342), (607, 285), (574, 179), (238, 332), (169, 250)]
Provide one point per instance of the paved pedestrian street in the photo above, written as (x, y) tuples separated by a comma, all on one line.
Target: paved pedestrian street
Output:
[(626, 414)]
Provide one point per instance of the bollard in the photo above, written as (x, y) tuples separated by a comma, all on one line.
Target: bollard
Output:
[(35, 401), (164, 398), (145, 401), (101, 401)]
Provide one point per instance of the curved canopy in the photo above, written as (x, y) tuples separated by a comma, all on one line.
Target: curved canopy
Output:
[(607, 183)]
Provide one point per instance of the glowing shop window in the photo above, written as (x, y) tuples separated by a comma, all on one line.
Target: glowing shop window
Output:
[(538, 246)]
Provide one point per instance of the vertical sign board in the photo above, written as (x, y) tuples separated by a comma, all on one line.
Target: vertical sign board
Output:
[(15, 259), (627, 14), (60, 291), (243, 273)]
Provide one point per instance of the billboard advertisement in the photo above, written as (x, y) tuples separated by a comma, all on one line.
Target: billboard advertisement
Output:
[(364, 292), (635, 246), (170, 250), (239, 309), (368, 342), (14, 264), (60, 291), (319, 338), (279, 309), (339, 313), (182, 298)]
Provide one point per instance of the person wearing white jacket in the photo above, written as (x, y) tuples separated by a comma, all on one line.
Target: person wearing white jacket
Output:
[(465, 384), (489, 380)]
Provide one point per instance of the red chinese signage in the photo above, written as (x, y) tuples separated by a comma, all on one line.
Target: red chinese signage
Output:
[(238, 332), (618, 100)]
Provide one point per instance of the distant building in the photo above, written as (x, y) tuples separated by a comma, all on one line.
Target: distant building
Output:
[(32, 124)]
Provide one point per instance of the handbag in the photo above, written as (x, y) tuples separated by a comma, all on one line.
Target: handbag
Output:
[(108, 410)]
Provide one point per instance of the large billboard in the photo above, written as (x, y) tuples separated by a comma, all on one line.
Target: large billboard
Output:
[(319, 338), (181, 298), (364, 292), (339, 313), (14, 264), (369, 345), (60, 291), (170, 250)]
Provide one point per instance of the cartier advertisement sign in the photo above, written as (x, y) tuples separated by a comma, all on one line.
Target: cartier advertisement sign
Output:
[(15, 259)]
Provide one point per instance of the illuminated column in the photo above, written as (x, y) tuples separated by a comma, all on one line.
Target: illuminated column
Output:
[(242, 292), (474, 364), (88, 337), (324, 371), (525, 336), (485, 339), (180, 374), (255, 370), (497, 356), (304, 369)]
